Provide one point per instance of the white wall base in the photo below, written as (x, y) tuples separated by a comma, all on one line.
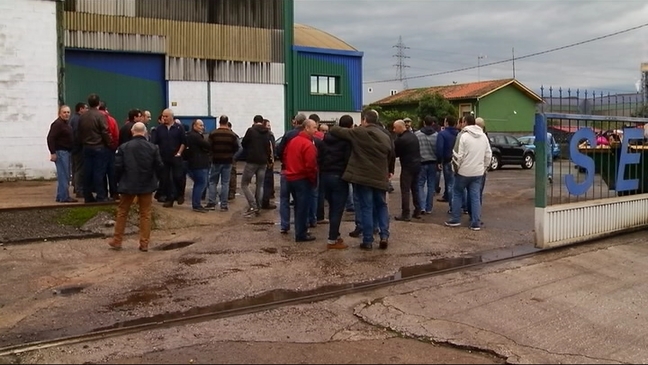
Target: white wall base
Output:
[(188, 98), (28, 87)]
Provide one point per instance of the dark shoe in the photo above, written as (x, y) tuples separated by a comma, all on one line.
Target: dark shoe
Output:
[(417, 215), (366, 246), (350, 210), (402, 218), (231, 197), (323, 221), (210, 206), (475, 228), (269, 206), (312, 225), (442, 200), (355, 233), (284, 231), (180, 200), (143, 249), (305, 239), (168, 204), (384, 242), (224, 209), (200, 210), (337, 245)]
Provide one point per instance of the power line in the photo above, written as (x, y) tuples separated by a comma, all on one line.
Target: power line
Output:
[(516, 58), (400, 64)]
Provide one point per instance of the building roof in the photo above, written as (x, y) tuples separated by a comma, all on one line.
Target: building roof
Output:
[(472, 90), (307, 36)]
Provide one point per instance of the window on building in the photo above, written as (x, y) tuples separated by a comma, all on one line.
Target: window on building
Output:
[(327, 85)]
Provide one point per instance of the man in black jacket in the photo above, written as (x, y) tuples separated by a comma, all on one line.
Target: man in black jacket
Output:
[(198, 163), (125, 134), (333, 161), (256, 145), (408, 151), (138, 166), (95, 140)]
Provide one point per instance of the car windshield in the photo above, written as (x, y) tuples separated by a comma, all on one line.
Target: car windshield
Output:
[(526, 140)]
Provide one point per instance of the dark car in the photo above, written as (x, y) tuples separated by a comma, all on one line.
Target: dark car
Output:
[(508, 150)]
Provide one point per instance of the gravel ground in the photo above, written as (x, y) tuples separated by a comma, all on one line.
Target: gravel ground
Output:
[(34, 225)]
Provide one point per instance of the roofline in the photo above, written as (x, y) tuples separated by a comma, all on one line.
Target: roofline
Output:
[(328, 51), (515, 82)]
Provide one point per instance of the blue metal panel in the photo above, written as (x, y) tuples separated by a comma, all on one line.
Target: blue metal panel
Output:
[(352, 62), (141, 65)]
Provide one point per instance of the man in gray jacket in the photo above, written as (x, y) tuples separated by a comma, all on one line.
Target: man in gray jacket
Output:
[(368, 171), (427, 137)]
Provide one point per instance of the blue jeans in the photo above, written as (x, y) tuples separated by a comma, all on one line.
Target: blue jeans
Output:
[(62, 175), (284, 203), (336, 192), (358, 213), (550, 165), (222, 172), (373, 205), (301, 191), (312, 209), (448, 178), (199, 177), (468, 204), (350, 200), (95, 164), (427, 178), (473, 185)]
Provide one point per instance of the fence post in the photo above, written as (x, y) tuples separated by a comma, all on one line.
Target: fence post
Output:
[(540, 132)]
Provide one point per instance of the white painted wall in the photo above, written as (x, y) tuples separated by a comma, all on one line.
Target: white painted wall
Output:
[(189, 98), (28, 87), (333, 116), (241, 102)]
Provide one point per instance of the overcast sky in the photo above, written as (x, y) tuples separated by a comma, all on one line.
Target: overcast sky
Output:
[(449, 35)]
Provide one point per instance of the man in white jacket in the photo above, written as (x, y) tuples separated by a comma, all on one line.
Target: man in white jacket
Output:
[(470, 159)]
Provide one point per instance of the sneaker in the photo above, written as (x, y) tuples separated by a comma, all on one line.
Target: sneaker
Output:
[(428, 212), (250, 212), (452, 224), (210, 206), (308, 238), (384, 242), (475, 228), (366, 246), (224, 209), (402, 218), (284, 231), (355, 233), (200, 210), (337, 245), (423, 212)]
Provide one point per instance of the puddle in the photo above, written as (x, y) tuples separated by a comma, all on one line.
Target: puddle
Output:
[(147, 294), (174, 245), (67, 291), (189, 261), (280, 297)]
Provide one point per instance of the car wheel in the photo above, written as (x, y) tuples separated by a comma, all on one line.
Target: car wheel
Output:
[(528, 161), (496, 162)]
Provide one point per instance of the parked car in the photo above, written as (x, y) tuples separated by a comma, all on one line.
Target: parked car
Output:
[(529, 141), (508, 150)]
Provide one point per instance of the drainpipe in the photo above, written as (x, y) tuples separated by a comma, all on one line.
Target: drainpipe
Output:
[(209, 107), (60, 52)]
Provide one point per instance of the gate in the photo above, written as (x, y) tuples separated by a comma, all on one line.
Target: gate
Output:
[(592, 175)]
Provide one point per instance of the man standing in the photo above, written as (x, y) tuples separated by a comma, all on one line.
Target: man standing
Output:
[(170, 138), (60, 143), (471, 158), (224, 145), (368, 170), (333, 187), (284, 195), (301, 176), (94, 136), (138, 167), (427, 138), (233, 172), (113, 130), (268, 181), (407, 150), (125, 134), (147, 117), (256, 145), (445, 143), (197, 156), (77, 150)]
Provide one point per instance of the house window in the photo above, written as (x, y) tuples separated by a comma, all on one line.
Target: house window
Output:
[(326, 85), (465, 109)]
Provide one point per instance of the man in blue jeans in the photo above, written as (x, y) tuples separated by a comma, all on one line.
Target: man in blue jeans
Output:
[(427, 137), (445, 143), (224, 145), (198, 163), (60, 143), (369, 170), (95, 139), (284, 194), (471, 158)]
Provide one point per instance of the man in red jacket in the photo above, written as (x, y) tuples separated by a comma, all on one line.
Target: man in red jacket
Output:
[(300, 160), (113, 131)]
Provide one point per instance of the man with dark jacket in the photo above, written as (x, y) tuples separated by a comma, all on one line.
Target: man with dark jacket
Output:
[(408, 152), (333, 162), (256, 144), (197, 157), (125, 134), (445, 144), (60, 144), (268, 181), (77, 150), (284, 195), (138, 167), (95, 139), (224, 145), (368, 169), (170, 137)]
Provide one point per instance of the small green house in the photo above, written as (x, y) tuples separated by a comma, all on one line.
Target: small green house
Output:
[(506, 105)]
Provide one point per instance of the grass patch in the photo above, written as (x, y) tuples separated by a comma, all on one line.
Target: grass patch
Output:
[(78, 216)]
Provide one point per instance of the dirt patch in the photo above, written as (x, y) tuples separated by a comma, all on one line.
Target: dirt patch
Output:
[(36, 225)]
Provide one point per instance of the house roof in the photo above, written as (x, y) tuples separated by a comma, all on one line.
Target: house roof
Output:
[(472, 90), (307, 36)]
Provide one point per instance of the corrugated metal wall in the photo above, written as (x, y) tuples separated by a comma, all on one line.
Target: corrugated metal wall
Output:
[(204, 40)]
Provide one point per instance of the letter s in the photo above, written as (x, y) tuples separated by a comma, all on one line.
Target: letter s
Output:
[(581, 160)]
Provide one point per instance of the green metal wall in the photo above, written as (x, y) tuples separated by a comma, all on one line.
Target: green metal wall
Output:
[(289, 86), (304, 67), (498, 109)]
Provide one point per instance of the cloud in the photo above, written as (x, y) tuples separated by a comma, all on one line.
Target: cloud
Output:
[(449, 35)]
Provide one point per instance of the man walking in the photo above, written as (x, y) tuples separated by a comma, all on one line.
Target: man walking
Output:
[(301, 176), (170, 138), (138, 167), (95, 139), (284, 195), (224, 145), (368, 170), (427, 138), (471, 158), (60, 143), (256, 145), (408, 152)]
